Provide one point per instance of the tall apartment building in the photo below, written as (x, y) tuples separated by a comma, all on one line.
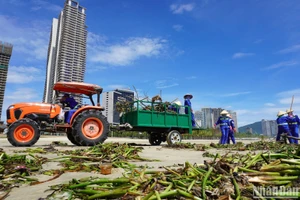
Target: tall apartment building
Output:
[(5, 54), (199, 118), (211, 115), (66, 59), (269, 127), (109, 100)]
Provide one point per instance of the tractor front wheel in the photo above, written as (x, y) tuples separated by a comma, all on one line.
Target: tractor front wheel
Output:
[(23, 133), (90, 128), (174, 137)]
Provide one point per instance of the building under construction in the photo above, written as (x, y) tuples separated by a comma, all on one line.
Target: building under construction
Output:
[(5, 54)]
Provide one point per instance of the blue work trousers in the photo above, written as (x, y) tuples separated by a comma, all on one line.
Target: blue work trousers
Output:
[(284, 129), (193, 120), (224, 137), (294, 132), (231, 136)]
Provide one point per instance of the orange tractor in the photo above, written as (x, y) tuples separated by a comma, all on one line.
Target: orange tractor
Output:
[(86, 126)]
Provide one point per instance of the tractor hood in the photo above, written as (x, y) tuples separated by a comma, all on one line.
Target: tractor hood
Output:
[(22, 105)]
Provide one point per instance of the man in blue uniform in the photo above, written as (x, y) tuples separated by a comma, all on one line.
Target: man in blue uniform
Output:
[(224, 123), (294, 122), (187, 102), (232, 130), (283, 126), (69, 101)]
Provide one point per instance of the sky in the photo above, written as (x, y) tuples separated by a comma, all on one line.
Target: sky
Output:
[(237, 55)]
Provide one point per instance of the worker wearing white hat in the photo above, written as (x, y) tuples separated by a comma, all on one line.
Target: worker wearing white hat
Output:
[(294, 122), (187, 103), (283, 126), (224, 123)]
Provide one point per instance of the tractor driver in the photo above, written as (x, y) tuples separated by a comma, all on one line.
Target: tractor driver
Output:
[(69, 101)]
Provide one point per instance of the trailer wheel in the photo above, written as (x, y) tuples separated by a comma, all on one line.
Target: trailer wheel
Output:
[(174, 137), (23, 133), (90, 128), (155, 138)]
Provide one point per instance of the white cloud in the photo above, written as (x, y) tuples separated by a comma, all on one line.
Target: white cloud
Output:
[(291, 49), (242, 55), (126, 53), (180, 8), (31, 41), (22, 95), (92, 69), (161, 84), (258, 41), (41, 4), (235, 94), (269, 111), (23, 74), (16, 2), (191, 77), (289, 93), (93, 38), (177, 27), (269, 104), (282, 64), (286, 97)]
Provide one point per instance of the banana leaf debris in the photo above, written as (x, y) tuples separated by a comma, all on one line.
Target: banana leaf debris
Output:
[(125, 106), (239, 146), (231, 176), (224, 177), (21, 168)]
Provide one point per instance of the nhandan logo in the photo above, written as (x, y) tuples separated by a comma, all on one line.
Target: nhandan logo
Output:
[(281, 192)]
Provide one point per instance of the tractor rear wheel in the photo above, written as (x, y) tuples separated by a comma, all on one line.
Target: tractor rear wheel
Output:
[(155, 139), (90, 128), (23, 133), (174, 137)]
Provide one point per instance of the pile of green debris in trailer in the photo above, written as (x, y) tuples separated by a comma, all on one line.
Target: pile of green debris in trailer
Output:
[(230, 176)]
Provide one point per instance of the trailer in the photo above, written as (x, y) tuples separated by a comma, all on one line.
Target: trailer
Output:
[(163, 122)]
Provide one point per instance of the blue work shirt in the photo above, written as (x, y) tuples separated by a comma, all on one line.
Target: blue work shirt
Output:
[(224, 122), (70, 102), (231, 122), (187, 102), (282, 121), (293, 121)]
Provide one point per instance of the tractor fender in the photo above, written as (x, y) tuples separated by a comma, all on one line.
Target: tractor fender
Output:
[(80, 110)]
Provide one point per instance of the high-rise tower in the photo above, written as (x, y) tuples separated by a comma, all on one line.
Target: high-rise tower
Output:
[(5, 54), (67, 48)]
